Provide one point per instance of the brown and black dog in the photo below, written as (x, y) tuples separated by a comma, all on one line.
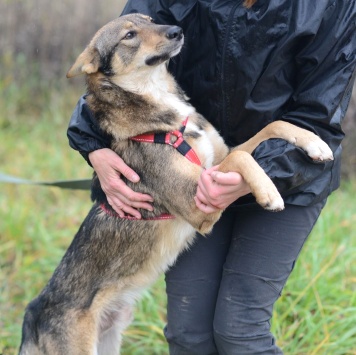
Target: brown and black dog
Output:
[(88, 301)]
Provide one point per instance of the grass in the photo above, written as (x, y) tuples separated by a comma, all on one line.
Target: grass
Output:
[(315, 315), (317, 311)]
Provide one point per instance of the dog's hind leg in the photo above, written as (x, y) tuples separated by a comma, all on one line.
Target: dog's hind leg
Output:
[(110, 342), (61, 331), (83, 336), (110, 339)]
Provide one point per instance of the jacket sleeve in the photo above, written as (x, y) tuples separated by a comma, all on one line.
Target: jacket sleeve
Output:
[(324, 81), (84, 133)]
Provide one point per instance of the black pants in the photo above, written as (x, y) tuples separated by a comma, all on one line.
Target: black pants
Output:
[(221, 292)]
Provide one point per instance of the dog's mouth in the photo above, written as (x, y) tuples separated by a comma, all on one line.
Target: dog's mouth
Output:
[(177, 51), (160, 58)]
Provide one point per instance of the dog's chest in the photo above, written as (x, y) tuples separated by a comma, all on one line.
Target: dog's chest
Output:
[(202, 143), (200, 140), (173, 102)]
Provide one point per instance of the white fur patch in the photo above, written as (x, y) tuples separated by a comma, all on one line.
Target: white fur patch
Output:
[(153, 82), (206, 147), (182, 233)]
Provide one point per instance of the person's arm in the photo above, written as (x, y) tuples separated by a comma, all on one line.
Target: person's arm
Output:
[(324, 81), (85, 136), (83, 133), (325, 69)]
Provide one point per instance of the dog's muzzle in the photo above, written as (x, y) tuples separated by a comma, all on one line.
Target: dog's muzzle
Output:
[(175, 37), (174, 33)]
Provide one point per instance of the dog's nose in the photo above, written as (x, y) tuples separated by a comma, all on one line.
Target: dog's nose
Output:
[(174, 32)]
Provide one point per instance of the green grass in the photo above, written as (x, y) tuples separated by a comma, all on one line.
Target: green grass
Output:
[(317, 311), (315, 315)]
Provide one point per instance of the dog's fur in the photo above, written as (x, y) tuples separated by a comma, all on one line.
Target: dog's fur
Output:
[(88, 301)]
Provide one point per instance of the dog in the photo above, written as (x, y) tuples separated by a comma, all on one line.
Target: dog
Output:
[(88, 301)]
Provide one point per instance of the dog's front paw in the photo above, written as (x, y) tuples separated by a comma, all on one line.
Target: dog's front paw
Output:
[(318, 150), (270, 200), (208, 222), (206, 227)]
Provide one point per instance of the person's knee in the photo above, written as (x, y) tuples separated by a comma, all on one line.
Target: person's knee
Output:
[(246, 339), (187, 343), (245, 344)]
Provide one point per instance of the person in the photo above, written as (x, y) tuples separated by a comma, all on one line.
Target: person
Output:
[(242, 69)]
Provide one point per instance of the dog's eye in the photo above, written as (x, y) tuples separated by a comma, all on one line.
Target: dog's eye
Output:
[(130, 35)]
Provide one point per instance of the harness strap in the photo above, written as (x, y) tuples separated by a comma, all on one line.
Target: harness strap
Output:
[(165, 138)]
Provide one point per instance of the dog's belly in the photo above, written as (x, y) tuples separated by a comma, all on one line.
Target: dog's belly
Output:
[(172, 238)]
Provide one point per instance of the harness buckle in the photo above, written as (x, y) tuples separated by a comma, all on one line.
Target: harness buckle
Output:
[(179, 138)]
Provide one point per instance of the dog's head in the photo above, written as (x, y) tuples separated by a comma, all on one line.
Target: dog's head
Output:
[(129, 43)]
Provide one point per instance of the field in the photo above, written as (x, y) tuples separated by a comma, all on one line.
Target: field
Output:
[(315, 315)]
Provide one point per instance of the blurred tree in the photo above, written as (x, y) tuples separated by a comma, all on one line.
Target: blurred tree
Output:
[(50, 33)]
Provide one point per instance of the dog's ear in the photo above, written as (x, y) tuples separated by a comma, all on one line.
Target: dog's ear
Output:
[(87, 63)]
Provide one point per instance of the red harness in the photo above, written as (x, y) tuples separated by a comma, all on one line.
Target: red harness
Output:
[(162, 138), (165, 138)]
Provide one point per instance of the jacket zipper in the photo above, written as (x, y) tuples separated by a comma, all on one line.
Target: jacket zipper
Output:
[(224, 119)]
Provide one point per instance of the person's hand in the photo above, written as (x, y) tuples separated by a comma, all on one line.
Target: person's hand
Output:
[(217, 190), (109, 167)]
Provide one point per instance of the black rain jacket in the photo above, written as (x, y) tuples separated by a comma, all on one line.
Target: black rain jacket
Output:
[(292, 60)]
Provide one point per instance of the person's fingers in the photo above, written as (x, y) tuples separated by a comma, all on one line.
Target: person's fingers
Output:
[(123, 205), (203, 207), (205, 202), (117, 206), (201, 195), (230, 178), (125, 201), (210, 191), (124, 210), (125, 170), (109, 168), (132, 198), (217, 190)]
